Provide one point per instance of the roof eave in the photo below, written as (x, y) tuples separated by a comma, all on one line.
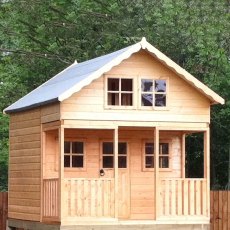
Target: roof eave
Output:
[(202, 88), (36, 105)]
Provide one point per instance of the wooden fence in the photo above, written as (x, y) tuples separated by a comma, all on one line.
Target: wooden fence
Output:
[(220, 210), (3, 209)]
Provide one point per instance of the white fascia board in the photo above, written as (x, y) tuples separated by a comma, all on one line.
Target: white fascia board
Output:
[(116, 61), (214, 97)]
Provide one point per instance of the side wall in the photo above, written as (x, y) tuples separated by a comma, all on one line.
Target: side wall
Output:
[(25, 161), (185, 103), (25, 165)]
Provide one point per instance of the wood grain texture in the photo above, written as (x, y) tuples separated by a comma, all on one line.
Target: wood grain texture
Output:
[(185, 103), (25, 165)]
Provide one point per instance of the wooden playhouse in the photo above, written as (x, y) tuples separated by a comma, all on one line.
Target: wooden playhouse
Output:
[(102, 144)]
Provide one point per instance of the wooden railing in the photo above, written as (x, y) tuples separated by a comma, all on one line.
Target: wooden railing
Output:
[(86, 197), (183, 197), (50, 199)]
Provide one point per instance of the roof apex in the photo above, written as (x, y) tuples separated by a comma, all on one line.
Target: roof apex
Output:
[(76, 76)]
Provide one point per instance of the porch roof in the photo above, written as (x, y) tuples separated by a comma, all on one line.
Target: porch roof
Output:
[(76, 76)]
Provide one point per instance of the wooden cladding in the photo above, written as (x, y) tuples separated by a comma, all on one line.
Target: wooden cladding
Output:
[(3, 209), (89, 197), (50, 199), (183, 197)]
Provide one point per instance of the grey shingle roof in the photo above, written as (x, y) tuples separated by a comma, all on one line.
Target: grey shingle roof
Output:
[(59, 84)]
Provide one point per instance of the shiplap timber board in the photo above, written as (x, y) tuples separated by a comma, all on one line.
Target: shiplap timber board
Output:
[(185, 102), (25, 164)]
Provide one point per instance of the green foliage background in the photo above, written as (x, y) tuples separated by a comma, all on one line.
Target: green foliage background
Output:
[(40, 38)]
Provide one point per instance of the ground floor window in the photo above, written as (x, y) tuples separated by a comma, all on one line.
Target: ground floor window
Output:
[(148, 155), (73, 154)]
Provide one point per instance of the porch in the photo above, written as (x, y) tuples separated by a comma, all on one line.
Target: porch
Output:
[(123, 195)]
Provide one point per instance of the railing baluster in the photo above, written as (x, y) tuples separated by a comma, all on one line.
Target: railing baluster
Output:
[(183, 197)]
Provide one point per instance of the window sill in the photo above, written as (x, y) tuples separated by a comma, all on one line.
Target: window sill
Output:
[(74, 169), (160, 170), (116, 107), (149, 108)]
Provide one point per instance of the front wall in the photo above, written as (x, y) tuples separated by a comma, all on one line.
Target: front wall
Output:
[(141, 182), (185, 102)]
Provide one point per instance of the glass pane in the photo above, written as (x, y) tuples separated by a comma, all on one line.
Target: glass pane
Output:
[(66, 161), (127, 99), (113, 98), (149, 148), (149, 162), (146, 99), (160, 99), (164, 162), (107, 161), (122, 162), (164, 148), (113, 84), (66, 147), (122, 148), (126, 84), (107, 147), (77, 147), (160, 86), (146, 85), (77, 161)]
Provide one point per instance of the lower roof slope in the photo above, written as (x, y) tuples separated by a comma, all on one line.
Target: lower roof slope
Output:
[(76, 76)]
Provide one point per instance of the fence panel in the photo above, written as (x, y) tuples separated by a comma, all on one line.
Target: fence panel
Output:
[(3, 209), (220, 210)]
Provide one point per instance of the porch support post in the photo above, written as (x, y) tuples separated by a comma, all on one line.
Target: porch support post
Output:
[(115, 146), (183, 155), (207, 168), (156, 172), (61, 196)]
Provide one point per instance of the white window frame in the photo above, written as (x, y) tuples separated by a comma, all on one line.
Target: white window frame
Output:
[(134, 94), (153, 107)]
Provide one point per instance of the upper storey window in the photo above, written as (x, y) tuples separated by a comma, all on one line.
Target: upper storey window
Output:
[(120, 91), (153, 92)]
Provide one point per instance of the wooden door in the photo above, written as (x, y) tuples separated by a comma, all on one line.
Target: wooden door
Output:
[(123, 174)]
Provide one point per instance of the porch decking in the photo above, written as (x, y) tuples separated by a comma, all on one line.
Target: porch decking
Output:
[(93, 199)]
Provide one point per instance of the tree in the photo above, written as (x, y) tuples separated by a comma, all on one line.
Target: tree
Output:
[(40, 38)]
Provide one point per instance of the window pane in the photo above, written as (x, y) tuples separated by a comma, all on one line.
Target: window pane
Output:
[(77, 161), (149, 162), (113, 98), (127, 99), (126, 84), (122, 148), (107, 161), (146, 99), (77, 147), (164, 148), (66, 161), (146, 85), (107, 147), (66, 147), (122, 162), (113, 84), (149, 148), (160, 86), (160, 99), (164, 162)]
